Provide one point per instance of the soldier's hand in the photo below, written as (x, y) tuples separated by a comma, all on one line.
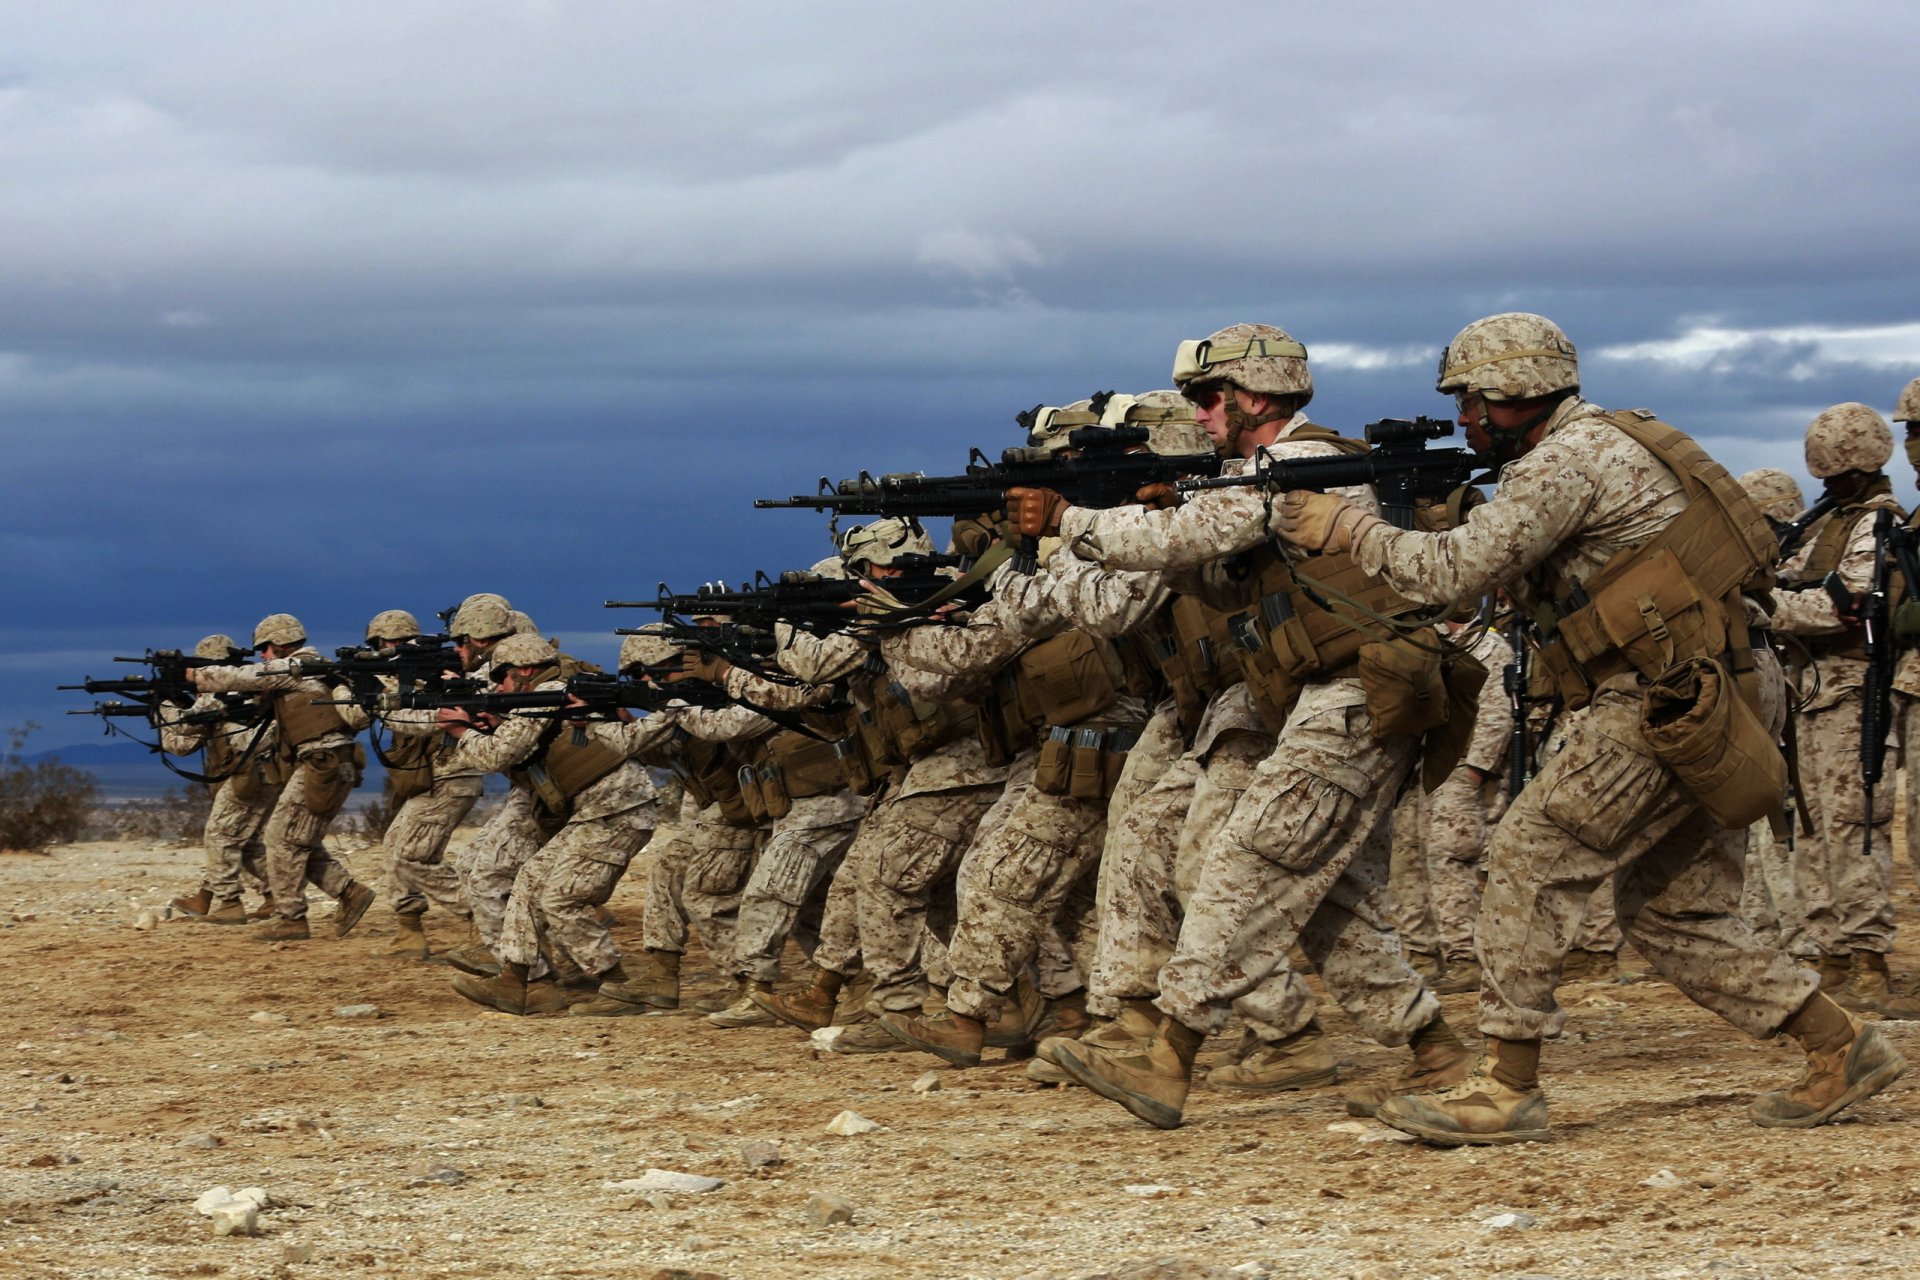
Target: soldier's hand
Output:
[(702, 666), (1157, 497), (1036, 512), (1319, 521)]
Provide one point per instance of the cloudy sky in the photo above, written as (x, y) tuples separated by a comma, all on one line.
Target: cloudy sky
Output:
[(335, 308)]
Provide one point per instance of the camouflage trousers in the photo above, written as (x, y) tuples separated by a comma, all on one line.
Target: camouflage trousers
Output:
[(295, 834), (1605, 807), (1155, 848), (1439, 839), (905, 856), (802, 852), (1304, 860), (1847, 895), (550, 916), (838, 946), (663, 921), (416, 847), (492, 859), (1769, 896), (1907, 712), (233, 844), (700, 889)]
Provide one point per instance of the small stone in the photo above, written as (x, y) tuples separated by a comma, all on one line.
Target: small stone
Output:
[(928, 1083), (1150, 1190), (236, 1218), (1509, 1221), (828, 1211), (440, 1174), (1346, 1126), (213, 1198), (43, 1161), (849, 1123), (258, 1195), (357, 1011), (296, 1253), (655, 1200), (824, 1037), (60, 1077), (761, 1155), (529, 1100), (1666, 1180), (666, 1180), (267, 1018), (199, 1142), (147, 919)]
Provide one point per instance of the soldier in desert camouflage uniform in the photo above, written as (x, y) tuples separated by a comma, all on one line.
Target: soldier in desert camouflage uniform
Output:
[(1579, 487), (1907, 674), (1847, 895), (324, 771)]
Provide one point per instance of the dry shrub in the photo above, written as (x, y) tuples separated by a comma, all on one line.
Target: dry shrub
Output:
[(42, 803)]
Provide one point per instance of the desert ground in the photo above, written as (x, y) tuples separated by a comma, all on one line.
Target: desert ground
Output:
[(428, 1137)]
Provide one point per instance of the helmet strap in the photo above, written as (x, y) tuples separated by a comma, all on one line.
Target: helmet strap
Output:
[(1239, 421)]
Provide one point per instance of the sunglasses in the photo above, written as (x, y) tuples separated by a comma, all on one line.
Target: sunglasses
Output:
[(1204, 395)]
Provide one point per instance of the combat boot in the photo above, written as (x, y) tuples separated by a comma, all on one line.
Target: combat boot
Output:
[(1066, 1017), (1427, 964), (655, 989), (724, 998), (1439, 1062), (854, 997), (1462, 976), (264, 911), (512, 992), (1870, 990), (1135, 1025), (279, 929), (1834, 972), (1498, 1103), (410, 940), (1019, 1016), (230, 912), (746, 1011), (947, 1035), (193, 904), (474, 957), (1302, 1061), (808, 1009), (353, 904), (1847, 1060), (1151, 1080), (865, 1036)]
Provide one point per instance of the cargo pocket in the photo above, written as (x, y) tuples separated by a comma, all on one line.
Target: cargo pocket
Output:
[(1294, 827), (786, 870), (915, 860), (1599, 788), (1023, 869), (718, 872)]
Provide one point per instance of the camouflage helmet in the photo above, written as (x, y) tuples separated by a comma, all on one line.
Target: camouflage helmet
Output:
[(1168, 418), (1048, 428), (831, 567), (882, 542), (647, 649), (521, 651), (1908, 410), (217, 646), (1847, 437), (482, 616), (1775, 492), (279, 628), (1254, 357), (522, 624), (392, 624), (1512, 356)]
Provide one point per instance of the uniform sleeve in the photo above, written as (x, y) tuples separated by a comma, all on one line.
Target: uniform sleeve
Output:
[(1071, 592), (749, 687), (980, 645), (178, 739), (724, 724), (1212, 524), (646, 735), (1810, 612), (817, 659), (516, 738)]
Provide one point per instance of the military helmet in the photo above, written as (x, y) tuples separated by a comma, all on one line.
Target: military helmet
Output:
[(392, 624), (482, 616), (1048, 428), (279, 628), (521, 651), (1908, 410), (1168, 418), (522, 624), (1847, 437), (1512, 356), (1776, 493), (217, 646), (882, 542), (647, 649), (1254, 357)]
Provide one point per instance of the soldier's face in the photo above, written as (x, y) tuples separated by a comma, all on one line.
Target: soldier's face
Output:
[(1209, 409)]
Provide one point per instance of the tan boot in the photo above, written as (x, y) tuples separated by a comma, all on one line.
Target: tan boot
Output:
[(1870, 990), (853, 999), (1440, 1061), (1590, 966), (353, 905), (723, 998), (264, 911), (1847, 1060), (946, 1035), (281, 930), (1066, 1017), (1462, 976), (511, 992), (473, 956), (409, 940), (746, 1011), (193, 904), (810, 1008), (866, 1036), (1498, 1103), (1136, 1024), (225, 913), (657, 987), (1834, 972), (1302, 1061), (1021, 1013), (1151, 1082)]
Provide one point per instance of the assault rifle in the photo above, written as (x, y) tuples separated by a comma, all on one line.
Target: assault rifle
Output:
[(420, 663), (1106, 474), (1792, 532), (168, 683), (1876, 698), (807, 600), (742, 645), (1398, 466), (1517, 678), (603, 693), (239, 708)]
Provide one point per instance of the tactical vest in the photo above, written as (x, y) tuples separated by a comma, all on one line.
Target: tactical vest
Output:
[(707, 770), (789, 766), (1196, 653), (1677, 596), (1063, 681), (1824, 557), (567, 762), (302, 722), (897, 728), (233, 758)]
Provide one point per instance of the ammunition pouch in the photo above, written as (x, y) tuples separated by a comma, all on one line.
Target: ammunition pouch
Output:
[(301, 721), (1404, 681), (707, 771), (1697, 723), (330, 777), (860, 772), (1065, 680), (1199, 659), (569, 761), (1083, 762), (1441, 750)]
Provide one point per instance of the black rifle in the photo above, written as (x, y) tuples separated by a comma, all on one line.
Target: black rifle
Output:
[(421, 663), (239, 708), (603, 693), (1792, 532), (742, 645), (168, 683), (1399, 467), (1106, 474), (807, 600), (1876, 698)]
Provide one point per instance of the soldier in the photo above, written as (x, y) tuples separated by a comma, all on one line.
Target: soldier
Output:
[(1907, 674), (324, 770), (1846, 895), (1611, 516), (1304, 856), (245, 778), (592, 810), (434, 795)]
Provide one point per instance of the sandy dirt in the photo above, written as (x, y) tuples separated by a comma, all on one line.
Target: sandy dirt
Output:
[(145, 1067)]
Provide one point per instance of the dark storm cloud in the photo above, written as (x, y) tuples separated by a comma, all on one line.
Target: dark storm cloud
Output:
[(337, 307)]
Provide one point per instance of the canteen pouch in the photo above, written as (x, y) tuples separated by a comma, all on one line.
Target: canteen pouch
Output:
[(1696, 723), (331, 777), (1402, 678), (1068, 678), (1441, 750), (1053, 770), (756, 804)]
